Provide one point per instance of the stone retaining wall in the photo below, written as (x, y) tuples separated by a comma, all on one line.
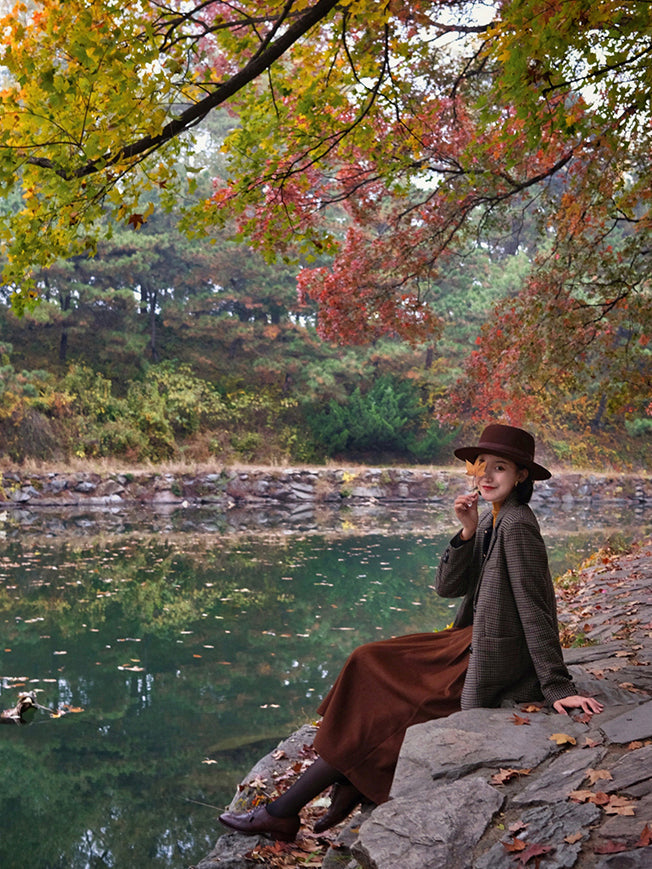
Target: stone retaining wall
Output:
[(230, 488)]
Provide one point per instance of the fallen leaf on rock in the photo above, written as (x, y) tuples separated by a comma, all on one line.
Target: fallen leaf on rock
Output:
[(563, 739), (505, 775), (582, 796), (612, 805), (611, 848), (533, 851), (517, 827), (620, 806), (599, 798), (594, 775), (520, 719), (514, 846), (646, 837), (531, 707), (574, 837), (628, 686), (307, 845), (257, 782)]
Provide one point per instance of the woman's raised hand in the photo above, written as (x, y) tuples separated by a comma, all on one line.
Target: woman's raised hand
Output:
[(466, 510)]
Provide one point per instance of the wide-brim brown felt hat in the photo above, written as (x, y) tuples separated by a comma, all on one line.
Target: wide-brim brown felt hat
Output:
[(507, 442)]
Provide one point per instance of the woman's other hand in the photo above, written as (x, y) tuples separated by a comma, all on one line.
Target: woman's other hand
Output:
[(466, 510), (577, 701)]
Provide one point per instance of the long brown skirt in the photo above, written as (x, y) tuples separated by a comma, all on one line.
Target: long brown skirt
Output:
[(384, 688)]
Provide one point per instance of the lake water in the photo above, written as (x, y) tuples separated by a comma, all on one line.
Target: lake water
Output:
[(183, 649)]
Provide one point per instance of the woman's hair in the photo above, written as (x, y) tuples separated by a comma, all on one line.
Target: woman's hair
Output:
[(524, 490)]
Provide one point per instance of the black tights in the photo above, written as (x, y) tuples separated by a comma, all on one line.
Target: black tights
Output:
[(313, 781)]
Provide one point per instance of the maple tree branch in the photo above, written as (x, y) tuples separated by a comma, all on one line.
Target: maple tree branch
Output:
[(196, 113), (600, 72), (205, 29), (310, 156), (467, 72)]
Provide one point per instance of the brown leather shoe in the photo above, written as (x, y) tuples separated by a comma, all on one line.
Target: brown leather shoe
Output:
[(344, 798), (259, 820)]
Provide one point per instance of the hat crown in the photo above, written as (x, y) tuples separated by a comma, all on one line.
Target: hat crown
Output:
[(506, 437), (508, 442)]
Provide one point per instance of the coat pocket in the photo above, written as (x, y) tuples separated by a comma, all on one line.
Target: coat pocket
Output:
[(502, 661)]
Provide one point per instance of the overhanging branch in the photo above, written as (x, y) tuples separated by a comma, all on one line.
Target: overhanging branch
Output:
[(195, 113)]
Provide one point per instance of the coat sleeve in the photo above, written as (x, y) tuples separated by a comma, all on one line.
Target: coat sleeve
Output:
[(456, 574), (535, 600)]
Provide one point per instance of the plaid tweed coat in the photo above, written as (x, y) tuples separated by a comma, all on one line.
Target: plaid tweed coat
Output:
[(510, 600)]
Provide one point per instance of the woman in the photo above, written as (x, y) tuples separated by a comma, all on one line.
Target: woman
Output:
[(503, 646)]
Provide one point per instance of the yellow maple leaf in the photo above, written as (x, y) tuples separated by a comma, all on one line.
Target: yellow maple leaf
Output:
[(475, 469), (563, 739)]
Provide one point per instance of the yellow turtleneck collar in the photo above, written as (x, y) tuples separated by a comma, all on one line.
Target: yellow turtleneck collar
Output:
[(495, 509)]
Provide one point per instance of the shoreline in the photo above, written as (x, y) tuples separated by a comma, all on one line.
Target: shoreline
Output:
[(230, 487), (279, 502)]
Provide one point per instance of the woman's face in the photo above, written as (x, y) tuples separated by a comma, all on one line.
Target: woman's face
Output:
[(499, 478)]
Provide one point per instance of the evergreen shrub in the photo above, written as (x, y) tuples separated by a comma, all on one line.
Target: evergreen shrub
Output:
[(387, 418), (638, 428)]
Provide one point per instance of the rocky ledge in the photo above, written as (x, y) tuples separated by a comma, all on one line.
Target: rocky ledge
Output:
[(230, 488), (498, 788), (234, 500)]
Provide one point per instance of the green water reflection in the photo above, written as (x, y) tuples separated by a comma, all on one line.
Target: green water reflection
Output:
[(180, 651)]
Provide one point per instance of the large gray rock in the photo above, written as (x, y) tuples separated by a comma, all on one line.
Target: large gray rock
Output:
[(418, 832), (631, 774), (453, 747), (564, 775), (550, 827), (229, 853), (639, 859), (632, 725)]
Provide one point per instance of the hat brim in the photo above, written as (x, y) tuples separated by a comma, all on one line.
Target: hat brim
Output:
[(537, 472)]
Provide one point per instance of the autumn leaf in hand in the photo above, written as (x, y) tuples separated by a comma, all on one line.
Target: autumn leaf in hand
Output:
[(476, 470)]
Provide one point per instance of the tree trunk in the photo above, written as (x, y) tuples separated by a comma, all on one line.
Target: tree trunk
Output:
[(152, 326), (596, 423), (64, 304)]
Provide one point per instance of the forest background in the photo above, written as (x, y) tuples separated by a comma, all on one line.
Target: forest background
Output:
[(292, 232)]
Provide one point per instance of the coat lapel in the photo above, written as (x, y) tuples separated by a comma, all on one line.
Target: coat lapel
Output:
[(485, 524)]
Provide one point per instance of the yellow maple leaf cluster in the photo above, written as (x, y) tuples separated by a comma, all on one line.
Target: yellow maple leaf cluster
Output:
[(475, 470)]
